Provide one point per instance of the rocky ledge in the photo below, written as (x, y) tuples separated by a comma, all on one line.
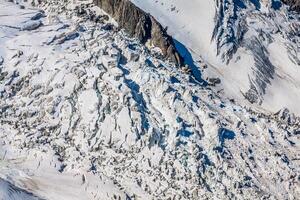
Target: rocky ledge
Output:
[(141, 25)]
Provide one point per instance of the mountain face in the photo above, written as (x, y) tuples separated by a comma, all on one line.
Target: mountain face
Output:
[(89, 110), (252, 46), (141, 25)]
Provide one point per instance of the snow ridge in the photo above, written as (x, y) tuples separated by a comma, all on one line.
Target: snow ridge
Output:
[(242, 24)]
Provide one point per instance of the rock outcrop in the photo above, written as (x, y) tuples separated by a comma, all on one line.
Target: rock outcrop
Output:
[(141, 25), (294, 4)]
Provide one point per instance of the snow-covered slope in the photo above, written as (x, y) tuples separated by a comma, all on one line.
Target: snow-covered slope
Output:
[(253, 46), (88, 113)]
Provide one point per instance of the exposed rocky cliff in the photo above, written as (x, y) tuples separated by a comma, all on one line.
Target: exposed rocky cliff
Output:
[(141, 25)]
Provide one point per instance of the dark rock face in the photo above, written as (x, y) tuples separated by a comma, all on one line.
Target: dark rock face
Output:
[(141, 25), (294, 4)]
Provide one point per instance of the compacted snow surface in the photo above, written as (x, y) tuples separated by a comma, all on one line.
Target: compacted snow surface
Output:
[(88, 113)]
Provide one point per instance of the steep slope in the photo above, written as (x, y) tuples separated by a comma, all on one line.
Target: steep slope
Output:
[(253, 46), (9, 191), (87, 112)]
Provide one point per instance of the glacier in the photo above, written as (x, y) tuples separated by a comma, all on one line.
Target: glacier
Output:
[(88, 112)]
